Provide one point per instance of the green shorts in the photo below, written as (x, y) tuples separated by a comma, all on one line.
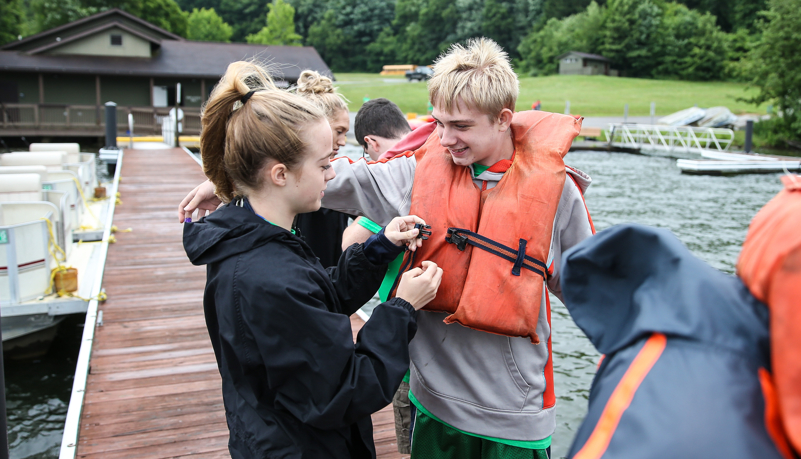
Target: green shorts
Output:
[(432, 439)]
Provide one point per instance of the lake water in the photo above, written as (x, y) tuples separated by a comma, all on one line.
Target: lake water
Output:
[(709, 214)]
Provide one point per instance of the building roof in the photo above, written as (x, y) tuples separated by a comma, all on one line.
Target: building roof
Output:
[(595, 57), (93, 31), (89, 23), (171, 55), (188, 59)]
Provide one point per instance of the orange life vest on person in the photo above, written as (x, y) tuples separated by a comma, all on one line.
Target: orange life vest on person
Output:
[(770, 266), (478, 287)]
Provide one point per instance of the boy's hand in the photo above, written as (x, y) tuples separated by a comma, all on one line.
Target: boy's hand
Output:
[(401, 231), (419, 286), (203, 198)]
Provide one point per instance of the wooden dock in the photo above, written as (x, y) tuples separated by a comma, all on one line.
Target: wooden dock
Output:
[(153, 389)]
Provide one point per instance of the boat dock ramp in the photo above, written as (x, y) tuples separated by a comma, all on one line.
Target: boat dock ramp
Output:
[(696, 150), (147, 384)]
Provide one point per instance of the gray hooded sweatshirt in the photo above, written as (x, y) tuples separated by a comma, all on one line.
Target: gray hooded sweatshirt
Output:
[(480, 383)]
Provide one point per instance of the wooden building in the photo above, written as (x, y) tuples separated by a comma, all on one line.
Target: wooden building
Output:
[(57, 81), (576, 63)]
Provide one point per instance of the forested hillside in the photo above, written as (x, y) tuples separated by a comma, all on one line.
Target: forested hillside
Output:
[(693, 39), (747, 40)]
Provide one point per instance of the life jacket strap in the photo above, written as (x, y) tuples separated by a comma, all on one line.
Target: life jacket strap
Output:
[(461, 237)]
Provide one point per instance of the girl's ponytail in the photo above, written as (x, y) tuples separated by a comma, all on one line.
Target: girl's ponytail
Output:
[(237, 139)]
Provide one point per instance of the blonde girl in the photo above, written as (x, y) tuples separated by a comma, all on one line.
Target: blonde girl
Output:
[(323, 229)]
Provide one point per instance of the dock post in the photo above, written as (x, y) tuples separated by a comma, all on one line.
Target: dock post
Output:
[(177, 103), (130, 130), (3, 420), (749, 132), (567, 107), (111, 124), (653, 112), (626, 113)]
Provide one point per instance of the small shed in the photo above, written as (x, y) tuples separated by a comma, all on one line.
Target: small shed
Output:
[(577, 63)]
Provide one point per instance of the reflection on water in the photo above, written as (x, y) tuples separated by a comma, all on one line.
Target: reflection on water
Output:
[(38, 393), (709, 214)]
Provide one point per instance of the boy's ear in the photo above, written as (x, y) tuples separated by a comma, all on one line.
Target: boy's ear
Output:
[(505, 119), (371, 143)]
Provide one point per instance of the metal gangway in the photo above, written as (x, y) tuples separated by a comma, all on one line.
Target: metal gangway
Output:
[(671, 140)]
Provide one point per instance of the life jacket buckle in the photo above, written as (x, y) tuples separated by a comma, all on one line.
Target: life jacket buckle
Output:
[(423, 234), (459, 240)]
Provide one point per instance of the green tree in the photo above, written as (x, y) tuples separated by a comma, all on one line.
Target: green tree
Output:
[(562, 8), (498, 23), (731, 14), (162, 13), (47, 14), (348, 28), (693, 46), (426, 28), (631, 36), (308, 12), (245, 16), (581, 32), (383, 51), (280, 28), (329, 41), (739, 44), (205, 25), (774, 62), (11, 20)]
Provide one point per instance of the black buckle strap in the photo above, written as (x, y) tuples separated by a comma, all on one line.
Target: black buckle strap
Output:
[(461, 237)]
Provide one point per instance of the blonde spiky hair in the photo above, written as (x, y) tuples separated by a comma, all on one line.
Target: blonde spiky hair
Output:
[(478, 75)]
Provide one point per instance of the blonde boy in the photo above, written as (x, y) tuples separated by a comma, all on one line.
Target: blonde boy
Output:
[(478, 394)]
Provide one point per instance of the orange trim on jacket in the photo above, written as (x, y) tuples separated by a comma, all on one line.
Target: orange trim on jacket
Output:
[(621, 398), (477, 287)]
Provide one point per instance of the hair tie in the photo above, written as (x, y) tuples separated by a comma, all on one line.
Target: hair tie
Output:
[(247, 96)]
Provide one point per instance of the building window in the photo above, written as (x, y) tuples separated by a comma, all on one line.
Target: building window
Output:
[(116, 40)]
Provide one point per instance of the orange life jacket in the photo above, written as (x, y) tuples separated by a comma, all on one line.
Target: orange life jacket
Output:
[(770, 265), (478, 287)]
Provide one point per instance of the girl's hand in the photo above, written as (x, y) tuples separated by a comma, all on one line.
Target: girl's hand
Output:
[(201, 198), (401, 231), (419, 285)]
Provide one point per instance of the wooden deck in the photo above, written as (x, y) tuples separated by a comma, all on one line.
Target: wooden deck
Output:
[(154, 390)]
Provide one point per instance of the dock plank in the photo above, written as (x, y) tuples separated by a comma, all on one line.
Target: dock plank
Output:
[(154, 390)]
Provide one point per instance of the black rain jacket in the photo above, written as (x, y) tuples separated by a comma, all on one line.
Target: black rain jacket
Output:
[(294, 383)]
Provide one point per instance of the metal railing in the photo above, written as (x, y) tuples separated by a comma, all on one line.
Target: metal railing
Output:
[(669, 138), (55, 117)]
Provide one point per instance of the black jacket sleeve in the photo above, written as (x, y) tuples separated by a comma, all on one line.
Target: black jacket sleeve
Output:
[(312, 367), (360, 270)]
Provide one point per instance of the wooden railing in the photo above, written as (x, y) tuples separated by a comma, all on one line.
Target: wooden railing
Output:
[(83, 119)]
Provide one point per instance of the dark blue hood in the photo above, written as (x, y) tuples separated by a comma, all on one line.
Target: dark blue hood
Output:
[(697, 394), (633, 280), (232, 230)]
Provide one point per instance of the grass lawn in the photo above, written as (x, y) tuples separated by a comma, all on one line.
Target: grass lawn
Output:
[(588, 95)]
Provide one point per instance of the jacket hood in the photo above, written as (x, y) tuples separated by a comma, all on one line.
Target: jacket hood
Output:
[(230, 231), (633, 280)]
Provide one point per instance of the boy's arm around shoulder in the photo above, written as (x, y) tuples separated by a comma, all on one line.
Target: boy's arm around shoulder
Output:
[(312, 368), (378, 190), (572, 224)]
